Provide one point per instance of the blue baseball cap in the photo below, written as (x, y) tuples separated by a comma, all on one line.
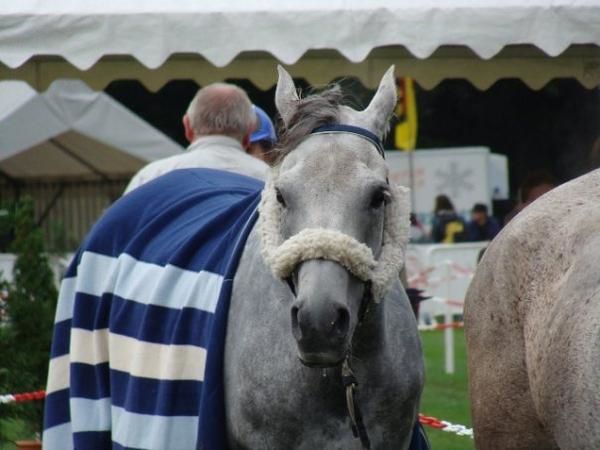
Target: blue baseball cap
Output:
[(265, 131)]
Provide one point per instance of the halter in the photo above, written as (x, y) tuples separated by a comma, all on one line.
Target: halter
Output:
[(350, 129), (356, 257)]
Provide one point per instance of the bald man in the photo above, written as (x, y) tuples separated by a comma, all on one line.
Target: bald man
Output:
[(218, 125)]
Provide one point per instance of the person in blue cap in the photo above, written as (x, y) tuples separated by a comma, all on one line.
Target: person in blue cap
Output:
[(263, 139), (218, 124)]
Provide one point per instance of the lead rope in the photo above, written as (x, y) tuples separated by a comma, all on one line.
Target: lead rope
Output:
[(351, 384)]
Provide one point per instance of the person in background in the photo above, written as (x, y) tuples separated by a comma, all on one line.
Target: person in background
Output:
[(481, 227), (535, 184), (218, 125), (263, 140), (448, 227)]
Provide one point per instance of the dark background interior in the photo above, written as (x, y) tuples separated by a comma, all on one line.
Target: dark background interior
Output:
[(553, 128)]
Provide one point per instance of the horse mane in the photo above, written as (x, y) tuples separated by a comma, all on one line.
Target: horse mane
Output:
[(311, 112)]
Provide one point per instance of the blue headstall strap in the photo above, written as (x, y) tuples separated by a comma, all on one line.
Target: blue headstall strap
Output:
[(358, 131)]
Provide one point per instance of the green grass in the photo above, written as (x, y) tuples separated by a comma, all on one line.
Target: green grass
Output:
[(445, 396), (12, 430)]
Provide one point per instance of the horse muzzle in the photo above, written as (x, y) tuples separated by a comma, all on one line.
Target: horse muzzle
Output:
[(321, 333)]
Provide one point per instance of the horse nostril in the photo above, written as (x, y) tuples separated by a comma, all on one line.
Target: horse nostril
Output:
[(295, 326), (342, 323)]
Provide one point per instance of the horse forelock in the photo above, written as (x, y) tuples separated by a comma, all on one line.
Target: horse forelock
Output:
[(311, 112)]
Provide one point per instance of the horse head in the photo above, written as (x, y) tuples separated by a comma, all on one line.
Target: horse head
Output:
[(331, 224)]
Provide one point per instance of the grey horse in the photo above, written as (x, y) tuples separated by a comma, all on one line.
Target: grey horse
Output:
[(285, 344), (532, 316)]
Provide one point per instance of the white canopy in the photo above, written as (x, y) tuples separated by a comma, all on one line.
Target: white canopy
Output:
[(73, 132), (155, 41)]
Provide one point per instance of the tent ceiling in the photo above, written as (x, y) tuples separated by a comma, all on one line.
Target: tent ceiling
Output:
[(156, 41), (70, 131), (67, 156)]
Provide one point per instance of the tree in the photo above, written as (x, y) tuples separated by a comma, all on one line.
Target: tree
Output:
[(26, 336)]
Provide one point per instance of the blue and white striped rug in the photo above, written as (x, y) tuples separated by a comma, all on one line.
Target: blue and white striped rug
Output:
[(138, 341)]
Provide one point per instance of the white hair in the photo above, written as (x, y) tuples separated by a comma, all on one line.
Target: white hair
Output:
[(221, 108)]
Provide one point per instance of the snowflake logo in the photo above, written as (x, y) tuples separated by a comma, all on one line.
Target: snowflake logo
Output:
[(453, 180)]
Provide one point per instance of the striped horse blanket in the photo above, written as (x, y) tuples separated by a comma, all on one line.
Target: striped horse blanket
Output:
[(137, 353)]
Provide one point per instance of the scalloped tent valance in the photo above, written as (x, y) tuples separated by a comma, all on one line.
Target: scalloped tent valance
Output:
[(156, 41)]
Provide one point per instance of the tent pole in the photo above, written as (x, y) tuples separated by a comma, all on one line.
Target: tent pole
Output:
[(79, 159), (46, 212)]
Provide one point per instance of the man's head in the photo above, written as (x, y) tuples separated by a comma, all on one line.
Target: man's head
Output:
[(221, 109), (479, 213), (264, 138)]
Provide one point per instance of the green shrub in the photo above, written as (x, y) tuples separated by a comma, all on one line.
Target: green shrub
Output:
[(26, 334)]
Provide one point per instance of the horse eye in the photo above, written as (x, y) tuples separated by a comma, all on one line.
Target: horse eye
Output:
[(280, 198), (379, 198)]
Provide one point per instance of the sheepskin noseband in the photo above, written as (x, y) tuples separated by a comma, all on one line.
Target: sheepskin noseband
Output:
[(320, 243)]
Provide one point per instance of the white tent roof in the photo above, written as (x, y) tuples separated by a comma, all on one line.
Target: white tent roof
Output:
[(71, 131), (481, 40)]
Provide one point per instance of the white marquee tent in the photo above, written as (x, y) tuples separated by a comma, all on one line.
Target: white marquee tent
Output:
[(72, 150), (73, 133), (156, 41)]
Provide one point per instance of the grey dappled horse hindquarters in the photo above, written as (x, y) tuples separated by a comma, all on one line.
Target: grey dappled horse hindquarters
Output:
[(531, 321)]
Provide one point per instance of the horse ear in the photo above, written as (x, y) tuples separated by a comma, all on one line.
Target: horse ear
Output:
[(377, 115), (286, 96)]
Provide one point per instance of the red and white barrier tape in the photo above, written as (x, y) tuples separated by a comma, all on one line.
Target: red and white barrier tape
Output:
[(433, 422), (462, 269), (453, 302), (431, 277), (443, 425), (21, 398)]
